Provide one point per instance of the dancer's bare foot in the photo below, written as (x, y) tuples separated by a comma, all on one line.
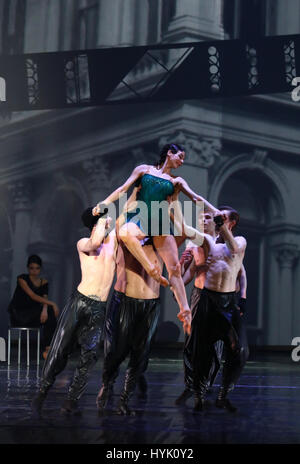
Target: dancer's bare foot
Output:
[(154, 272), (185, 317), (45, 353)]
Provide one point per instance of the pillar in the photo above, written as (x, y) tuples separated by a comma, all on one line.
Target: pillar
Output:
[(194, 20), (286, 255), (21, 194)]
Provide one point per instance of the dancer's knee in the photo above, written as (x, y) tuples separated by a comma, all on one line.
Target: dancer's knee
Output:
[(128, 232), (174, 271)]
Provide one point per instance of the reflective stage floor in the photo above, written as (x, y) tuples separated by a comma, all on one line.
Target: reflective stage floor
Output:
[(267, 395)]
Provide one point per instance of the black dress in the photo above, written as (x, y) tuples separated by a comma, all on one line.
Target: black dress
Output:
[(25, 312)]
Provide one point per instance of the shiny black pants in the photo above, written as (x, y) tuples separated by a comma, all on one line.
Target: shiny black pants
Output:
[(216, 317), (129, 328), (218, 345), (80, 323)]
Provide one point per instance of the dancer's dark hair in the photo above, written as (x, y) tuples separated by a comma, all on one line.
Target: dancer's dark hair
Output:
[(233, 214), (174, 147), (89, 220), (34, 259)]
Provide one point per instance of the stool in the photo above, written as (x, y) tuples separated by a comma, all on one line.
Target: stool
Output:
[(37, 330)]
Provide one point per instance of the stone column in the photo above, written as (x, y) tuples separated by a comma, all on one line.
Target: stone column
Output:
[(194, 20), (97, 179), (141, 21), (21, 193), (35, 26), (287, 18), (53, 25), (127, 23), (286, 255), (270, 333), (110, 20)]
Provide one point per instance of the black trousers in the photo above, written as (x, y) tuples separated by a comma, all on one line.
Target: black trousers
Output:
[(81, 323), (129, 328), (216, 317), (218, 345)]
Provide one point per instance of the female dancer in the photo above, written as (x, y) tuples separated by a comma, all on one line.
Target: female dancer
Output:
[(157, 184)]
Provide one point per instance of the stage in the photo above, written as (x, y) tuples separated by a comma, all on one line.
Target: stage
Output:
[(267, 396)]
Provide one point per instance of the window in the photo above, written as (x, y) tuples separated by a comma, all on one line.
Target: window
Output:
[(12, 26)]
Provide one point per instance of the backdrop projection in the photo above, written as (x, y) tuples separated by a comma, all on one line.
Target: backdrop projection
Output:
[(241, 151)]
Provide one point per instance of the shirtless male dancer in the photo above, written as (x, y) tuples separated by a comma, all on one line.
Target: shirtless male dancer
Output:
[(131, 321), (82, 319), (193, 263), (217, 316)]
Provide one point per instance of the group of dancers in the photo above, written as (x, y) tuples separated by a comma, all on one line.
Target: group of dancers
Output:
[(137, 247)]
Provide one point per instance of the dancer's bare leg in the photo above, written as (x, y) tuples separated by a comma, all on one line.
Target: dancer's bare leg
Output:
[(131, 234), (167, 249)]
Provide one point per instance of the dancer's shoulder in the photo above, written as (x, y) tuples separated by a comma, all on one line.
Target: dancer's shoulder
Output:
[(142, 169), (241, 241)]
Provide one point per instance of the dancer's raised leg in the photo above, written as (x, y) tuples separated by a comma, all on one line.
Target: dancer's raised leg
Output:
[(167, 249), (131, 234)]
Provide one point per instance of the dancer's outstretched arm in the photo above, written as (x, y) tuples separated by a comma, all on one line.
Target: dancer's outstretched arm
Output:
[(87, 245), (129, 206), (197, 237), (185, 188), (119, 192)]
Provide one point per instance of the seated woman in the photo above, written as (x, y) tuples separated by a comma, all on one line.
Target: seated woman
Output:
[(30, 306)]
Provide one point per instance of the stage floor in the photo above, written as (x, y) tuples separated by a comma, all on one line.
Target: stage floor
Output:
[(268, 397)]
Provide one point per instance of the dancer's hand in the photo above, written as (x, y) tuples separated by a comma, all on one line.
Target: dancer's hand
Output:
[(96, 210), (44, 316), (108, 222), (100, 208), (55, 310)]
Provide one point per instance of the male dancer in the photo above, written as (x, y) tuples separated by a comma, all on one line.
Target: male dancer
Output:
[(217, 317), (82, 319), (131, 321), (193, 261)]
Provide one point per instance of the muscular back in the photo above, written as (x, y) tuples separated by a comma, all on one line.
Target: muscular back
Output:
[(97, 268)]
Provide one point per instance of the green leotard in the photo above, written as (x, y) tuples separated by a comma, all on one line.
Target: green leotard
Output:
[(153, 189)]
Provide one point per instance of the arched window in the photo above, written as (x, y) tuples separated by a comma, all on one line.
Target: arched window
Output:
[(12, 26)]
